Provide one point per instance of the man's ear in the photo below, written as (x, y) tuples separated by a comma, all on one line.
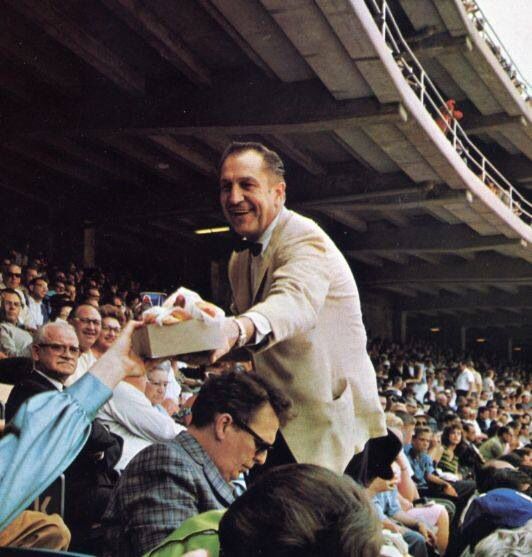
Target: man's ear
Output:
[(35, 352), (280, 190), (221, 425)]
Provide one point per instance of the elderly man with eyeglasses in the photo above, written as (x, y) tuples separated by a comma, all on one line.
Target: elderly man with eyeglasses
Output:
[(55, 353), (131, 415), (235, 420)]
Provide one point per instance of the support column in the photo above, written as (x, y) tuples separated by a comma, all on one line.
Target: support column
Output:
[(404, 320), (463, 338), (510, 349), (89, 245)]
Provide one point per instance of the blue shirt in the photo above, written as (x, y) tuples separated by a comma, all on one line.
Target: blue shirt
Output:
[(422, 465), (386, 504), (50, 429)]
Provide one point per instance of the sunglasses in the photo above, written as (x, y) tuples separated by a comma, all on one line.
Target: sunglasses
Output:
[(261, 445)]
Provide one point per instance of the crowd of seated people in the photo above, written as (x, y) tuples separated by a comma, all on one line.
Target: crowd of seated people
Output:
[(456, 465)]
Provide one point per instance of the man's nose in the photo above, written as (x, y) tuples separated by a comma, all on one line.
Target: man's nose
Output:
[(235, 195), (261, 457)]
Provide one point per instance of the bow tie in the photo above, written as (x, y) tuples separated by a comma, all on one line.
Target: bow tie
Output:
[(255, 248)]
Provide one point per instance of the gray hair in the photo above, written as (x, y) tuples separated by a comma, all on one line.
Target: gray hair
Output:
[(164, 366), (502, 543), (41, 336)]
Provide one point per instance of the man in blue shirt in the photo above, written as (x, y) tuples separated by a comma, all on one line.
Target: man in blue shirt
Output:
[(50, 429), (426, 478)]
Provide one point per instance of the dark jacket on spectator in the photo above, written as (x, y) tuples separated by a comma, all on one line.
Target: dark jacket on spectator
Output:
[(91, 477)]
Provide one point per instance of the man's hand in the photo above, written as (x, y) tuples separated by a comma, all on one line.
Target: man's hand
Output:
[(119, 361), (449, 490), (230, 333)]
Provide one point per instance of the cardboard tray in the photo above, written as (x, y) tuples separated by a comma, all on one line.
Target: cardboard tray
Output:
[(187, 337)]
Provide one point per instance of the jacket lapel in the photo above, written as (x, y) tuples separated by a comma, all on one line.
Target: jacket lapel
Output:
[(265, 258), (240, 280), (220, 487)]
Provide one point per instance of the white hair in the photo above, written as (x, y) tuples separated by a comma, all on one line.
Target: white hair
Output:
[(164, 366), (505, 543), (41, 336)]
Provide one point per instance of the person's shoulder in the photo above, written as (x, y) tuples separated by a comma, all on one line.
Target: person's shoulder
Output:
[(161, 456), (296, 223)]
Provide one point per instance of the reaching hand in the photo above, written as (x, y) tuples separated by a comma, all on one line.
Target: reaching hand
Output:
[(230, 332)]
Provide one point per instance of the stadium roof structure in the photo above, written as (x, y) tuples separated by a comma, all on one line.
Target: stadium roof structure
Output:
[(120, 109)]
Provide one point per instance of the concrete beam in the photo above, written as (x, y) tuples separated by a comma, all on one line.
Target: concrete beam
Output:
[(470, 301), (431, 240), (437, 44), (476, 124), (487, 269), (55, 21), (232, 108), (166, 42)]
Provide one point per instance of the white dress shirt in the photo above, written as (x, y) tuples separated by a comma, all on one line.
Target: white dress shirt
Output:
[(85, 362), (130, 414)]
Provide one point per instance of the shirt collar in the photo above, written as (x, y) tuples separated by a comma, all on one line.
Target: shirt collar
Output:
[(57, 384), (267, 234)]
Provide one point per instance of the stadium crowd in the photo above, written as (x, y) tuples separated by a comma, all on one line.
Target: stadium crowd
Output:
[(455, 468)]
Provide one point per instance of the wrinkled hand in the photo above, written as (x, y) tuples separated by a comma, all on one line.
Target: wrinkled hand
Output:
[(230, 332), (170, 406)]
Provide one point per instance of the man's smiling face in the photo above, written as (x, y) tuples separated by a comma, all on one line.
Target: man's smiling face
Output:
[(251, 196)]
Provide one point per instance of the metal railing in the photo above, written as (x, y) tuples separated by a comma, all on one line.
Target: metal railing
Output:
[(486, 31), (440, 111)]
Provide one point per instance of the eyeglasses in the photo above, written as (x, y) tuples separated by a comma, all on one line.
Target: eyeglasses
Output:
[(9, 303), (261, 445), (14, 275), (87, 321), (110, 328), (61, 348)]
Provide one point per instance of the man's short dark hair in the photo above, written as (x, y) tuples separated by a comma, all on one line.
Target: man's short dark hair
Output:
[(502, 431), (272, 160), (240, 394), (407, 418), (301, 510), (498, 478), (421, 430), (11, 291), (35, 280)]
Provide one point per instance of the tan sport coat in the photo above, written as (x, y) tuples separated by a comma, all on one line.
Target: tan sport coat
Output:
[(317, 349)]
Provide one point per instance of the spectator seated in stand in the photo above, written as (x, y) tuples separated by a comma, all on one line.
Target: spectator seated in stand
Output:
[(235, 420), (90, 477), (14, 340), (293, 510), (429, 483), (497, 445), (131, 415), (109, 331)]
